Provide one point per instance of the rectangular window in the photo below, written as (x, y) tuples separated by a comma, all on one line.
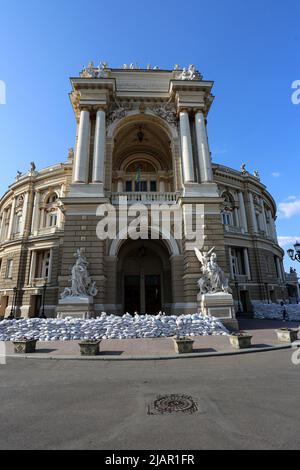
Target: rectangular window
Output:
[(141, 186), (42, 265), (238, 263), (128, 186), (227, 218), (9, 269), (53, 220), (18, 223), (153, 186)]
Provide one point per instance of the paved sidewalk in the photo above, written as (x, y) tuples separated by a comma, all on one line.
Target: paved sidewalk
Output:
[(263, 332)]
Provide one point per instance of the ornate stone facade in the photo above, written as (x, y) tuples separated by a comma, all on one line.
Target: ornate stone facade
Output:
[(141, 134)]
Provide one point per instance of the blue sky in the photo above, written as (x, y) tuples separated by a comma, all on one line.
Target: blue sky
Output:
[(250, 50)]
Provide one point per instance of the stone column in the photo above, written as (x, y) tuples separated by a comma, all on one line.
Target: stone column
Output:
[(247, 264), (11, 220), (82, 150), (120, 187), (242, 211), (282, 270), (279, 270), (24, 214), (32, 267), (236, 218), (2, 225), (263, 215), (230, 263), (269, 225), (205, 164), (253, 215), (99, 147), (186, 148), (60, 214), (162, 185), (36, 213), (50, 266), (272, 227)]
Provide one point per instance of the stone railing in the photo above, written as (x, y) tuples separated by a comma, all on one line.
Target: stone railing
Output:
[(232, 229), (145, 198)]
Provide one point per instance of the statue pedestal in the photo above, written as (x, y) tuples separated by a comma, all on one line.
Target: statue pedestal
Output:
[(76, 307), (219, 305)]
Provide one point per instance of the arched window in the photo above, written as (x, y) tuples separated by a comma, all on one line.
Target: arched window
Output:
[(140, 176), (51, 211), (228, 210)]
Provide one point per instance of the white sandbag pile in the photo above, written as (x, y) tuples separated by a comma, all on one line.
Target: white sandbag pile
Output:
[(111, 327), (264, 311)]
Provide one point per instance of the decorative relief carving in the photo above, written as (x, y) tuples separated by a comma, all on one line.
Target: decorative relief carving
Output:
[(20, 201), (117, 111), (166, 112), (75, 97)]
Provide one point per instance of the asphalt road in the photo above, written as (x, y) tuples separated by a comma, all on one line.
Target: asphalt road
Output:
[(248, 401)]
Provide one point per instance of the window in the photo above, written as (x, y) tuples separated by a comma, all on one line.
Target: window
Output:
[(53, 219), (141, 186), (128, 186), (18, 223), (153, 186), (6, 224), (9, 269), (238, 263), (53, 198), (51, 209), (42, 265), (227, 218)]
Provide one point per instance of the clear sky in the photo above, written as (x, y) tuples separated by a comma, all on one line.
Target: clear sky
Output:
[(249, 48)]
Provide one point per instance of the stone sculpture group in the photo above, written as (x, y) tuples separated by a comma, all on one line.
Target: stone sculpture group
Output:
[(213, 279), (82, 285)]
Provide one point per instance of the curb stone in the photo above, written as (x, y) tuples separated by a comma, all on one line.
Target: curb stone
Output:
[(108, 358)]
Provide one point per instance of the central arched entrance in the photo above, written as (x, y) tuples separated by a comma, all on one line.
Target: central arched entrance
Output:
[(144, 277)]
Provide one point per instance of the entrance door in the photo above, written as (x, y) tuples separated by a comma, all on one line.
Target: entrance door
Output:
[(4, 304), (245, 301), (35, 305), (153, 294), (132, 294)]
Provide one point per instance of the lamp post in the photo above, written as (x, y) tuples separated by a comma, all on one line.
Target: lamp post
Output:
[(42, 315), (13, 307), (294, 254), (238, 296)]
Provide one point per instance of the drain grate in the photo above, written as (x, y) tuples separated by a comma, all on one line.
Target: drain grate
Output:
[(175, 403)]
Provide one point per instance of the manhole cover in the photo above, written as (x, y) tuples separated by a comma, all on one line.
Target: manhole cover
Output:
[(173, 404)]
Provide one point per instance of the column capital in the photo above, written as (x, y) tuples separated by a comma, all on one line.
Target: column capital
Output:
[(184, 110), (84, 108), (100, 107)]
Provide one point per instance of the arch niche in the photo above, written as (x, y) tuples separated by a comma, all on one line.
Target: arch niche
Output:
[(142, 156), (144, 277)]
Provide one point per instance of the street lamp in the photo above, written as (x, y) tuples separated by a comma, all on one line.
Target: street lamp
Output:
[(42, 315), (294, 254), (13, 307), (238, 296)]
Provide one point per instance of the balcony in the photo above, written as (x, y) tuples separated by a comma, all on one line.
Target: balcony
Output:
[(145, 198), (291, 277), (233, 229)]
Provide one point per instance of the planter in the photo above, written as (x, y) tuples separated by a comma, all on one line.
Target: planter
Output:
[(25, 346), (183, 345), (240, 341), (287, 335), (89, 348)]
